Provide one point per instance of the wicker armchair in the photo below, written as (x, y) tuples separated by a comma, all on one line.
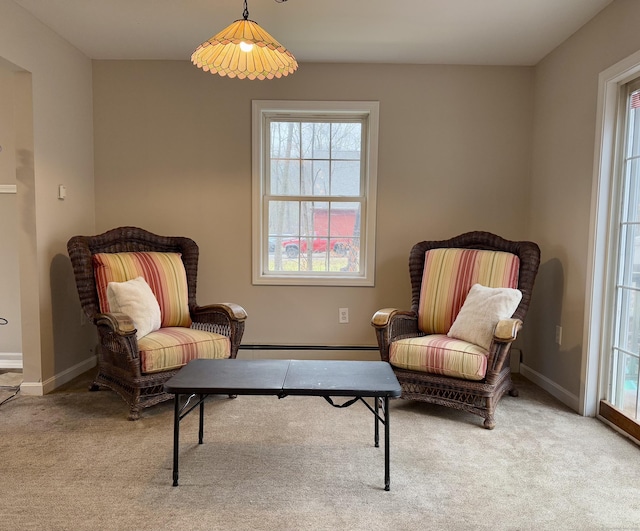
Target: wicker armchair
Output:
[(431, 384), (119, 356)]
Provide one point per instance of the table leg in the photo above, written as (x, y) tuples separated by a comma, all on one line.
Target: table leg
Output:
[(376, 437), (387, 478), (176, 438), (201, 430)]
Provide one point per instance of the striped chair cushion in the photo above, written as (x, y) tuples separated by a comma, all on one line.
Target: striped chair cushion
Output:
[(164, 272), (448, 276), (440, 354), (173, 347)]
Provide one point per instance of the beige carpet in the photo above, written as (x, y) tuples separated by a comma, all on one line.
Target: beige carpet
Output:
[(9, 385), (10, 379), (71, 460)]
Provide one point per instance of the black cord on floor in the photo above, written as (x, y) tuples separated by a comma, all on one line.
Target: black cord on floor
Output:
[(17, 390)]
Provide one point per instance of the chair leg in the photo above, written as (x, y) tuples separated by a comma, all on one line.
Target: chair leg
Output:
[(514, 392), (94, 387), (134, 413), (490, 422)]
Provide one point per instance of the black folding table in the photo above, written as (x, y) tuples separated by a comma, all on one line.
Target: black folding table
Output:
[(325, 378)]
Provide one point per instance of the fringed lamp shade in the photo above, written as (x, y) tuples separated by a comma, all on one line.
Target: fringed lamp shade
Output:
[(244, 50)]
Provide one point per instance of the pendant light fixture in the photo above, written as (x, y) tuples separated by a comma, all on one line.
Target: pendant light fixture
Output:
[(244, 50)]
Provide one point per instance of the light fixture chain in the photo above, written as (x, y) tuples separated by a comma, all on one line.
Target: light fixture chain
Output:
[(245, 13)]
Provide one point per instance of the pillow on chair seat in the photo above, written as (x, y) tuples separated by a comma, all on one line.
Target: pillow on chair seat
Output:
[(135, 298), (481, 311)]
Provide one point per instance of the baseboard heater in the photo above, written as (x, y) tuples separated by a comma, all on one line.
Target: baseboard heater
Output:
[(308, 347)]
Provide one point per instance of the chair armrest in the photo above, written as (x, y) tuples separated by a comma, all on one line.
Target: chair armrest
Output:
[(119, 323), (383, 318), (392, 324), (507, 330), (118, 343), (505, 333), (224, 318), (233, 311)]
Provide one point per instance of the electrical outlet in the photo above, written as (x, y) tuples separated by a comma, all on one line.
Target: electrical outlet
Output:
[(558, 335), (343, 315)]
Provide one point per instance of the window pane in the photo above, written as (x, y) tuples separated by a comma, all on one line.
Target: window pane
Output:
[(285, 140), (284, 218), (321, 140), (634, 124), (321, 219), (307, 217), (345, 219), (345, 178), (346, 141), (631, 190), (353, 256), (285, 177), (627, 253), (629, 330), (632, 275), (629, 385), (632, 178), (315, 177), (307, 135)]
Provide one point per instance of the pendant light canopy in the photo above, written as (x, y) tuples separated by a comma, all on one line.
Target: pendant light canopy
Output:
[(244, 50)]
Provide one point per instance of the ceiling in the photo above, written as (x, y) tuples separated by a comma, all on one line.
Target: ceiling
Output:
[(473, 32)]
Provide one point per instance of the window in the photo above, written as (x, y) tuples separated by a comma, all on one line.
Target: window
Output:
[(623, 374), (314, 192), (610, 374)]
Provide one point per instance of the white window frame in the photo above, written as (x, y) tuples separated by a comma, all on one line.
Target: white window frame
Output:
[(593, 383), (261, 109)]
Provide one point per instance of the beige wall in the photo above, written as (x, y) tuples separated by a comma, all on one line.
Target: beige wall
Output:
[(11, 332), (173, 155), (54, 145), (565, 98)]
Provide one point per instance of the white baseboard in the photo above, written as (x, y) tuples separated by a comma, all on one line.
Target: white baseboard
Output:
[(551, 387), (42, 388), (357, 355), (10, 360)]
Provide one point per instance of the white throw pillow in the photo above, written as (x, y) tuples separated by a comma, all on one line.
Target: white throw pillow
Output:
[(481, 311), (135, 298)]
